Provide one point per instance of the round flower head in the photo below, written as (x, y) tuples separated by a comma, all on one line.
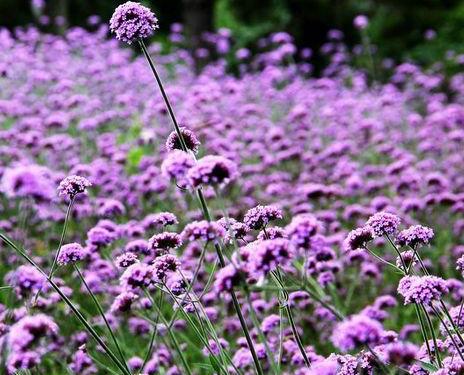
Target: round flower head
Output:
[(358, 238), (191, 141), (421, 289), (165, 241), (132, 21), (203, 230), (383, 223), (176, 165), (212, 170), (123, 302), (460, 264), (400, 353), (226, 278), (127, 259), (361, 22), (73, 185), (138, 275), (258, 217), (269, 254), (356, 331), (414, 236), (164, 264), (70, 253), (162, 219), (302, 229)]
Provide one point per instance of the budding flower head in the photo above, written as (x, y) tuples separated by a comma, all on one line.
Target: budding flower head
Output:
[(191, 141), (358, 238), (361, 22), (73, 185), (70, 253), (132, 21)]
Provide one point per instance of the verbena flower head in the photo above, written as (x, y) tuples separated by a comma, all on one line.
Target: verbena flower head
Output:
[(356, 331), (138, 275), (162, 219), (26, 280), (176, 165), (269, 254), (421, 289), (30, 330), (460, 264), (212, 170), (383, 223), (400, 353), (165, 264), (416, 235), (127, 259), (70, 253), (302, 229), (73, 185), (191, 141), (358, 238), (258, 217), (132, 21), (165, 241), (226, 279), (123, 302), (361, 22), (203, 230)]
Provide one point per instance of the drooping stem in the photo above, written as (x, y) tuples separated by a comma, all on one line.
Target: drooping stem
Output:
[(68, 302), (102, 314)]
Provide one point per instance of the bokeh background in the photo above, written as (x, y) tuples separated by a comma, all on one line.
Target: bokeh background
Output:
[(421, 30)]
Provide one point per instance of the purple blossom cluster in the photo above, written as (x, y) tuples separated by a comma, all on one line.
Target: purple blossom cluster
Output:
[(302, 211)]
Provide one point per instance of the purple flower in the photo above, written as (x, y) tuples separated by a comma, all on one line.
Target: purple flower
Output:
[(358, 238), (356, 331), (127, 259), (165, 241), (226, 278), (165, 264), (269, 323), (161, 219), (416, 235), (302, 229), (383, 223), (176, 165), (258, 217), (132, 21), (212, 170), (73, 185), (30, 330), (23, 360), (123, 302), (421, 289), (269, 254), (203, 230), (191, 141), (26, 280), (70, 253), (361, 22), (400, 353), (138, 275), (137, 247)]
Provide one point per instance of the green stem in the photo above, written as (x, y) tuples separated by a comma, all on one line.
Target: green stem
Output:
[(424, 332), (432, 331), (102, 314), (204, 208), (74, 309)]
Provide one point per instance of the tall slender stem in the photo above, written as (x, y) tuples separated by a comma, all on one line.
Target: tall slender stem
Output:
[(204, 209), (432, 331), (73, 308), (102, 314), (450, 334)]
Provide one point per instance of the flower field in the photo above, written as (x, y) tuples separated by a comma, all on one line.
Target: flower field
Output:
[(248, 219)]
